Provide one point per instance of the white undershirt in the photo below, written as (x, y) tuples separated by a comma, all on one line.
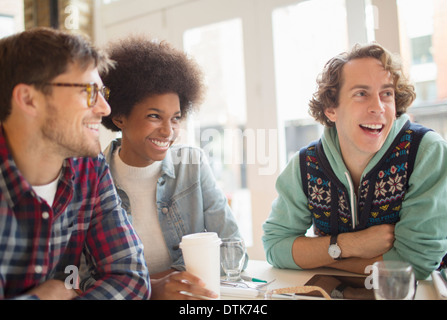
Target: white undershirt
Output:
[(140, 184), (47, 191)]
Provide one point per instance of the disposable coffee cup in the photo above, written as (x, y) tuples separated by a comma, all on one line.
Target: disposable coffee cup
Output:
[(201, 253)]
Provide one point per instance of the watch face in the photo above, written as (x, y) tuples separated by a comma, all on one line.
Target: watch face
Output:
[(334, 251)]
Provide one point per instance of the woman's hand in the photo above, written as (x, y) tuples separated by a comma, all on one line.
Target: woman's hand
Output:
[(180, 285)]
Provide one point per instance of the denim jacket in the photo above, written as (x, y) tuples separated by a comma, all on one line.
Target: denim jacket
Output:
[(188, 198)]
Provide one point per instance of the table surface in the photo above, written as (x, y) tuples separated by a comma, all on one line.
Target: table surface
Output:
[(285, 278)]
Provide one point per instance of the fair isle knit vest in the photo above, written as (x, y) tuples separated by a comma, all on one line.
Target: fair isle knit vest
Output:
[(381, 191)]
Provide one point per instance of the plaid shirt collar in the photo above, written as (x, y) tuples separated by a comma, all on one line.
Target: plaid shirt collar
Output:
[(14, 186)]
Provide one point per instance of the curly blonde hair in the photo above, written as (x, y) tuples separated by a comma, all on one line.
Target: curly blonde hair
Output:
[(330, 81)]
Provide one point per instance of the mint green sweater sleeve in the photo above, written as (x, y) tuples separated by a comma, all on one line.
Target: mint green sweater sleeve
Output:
[(421, 233), (289, 217)]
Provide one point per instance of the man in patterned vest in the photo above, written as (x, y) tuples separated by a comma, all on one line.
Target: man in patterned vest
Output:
[(374, 187)]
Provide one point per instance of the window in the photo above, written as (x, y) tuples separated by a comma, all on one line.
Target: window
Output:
[(7, 25), (11, 17), (306, 36), (285, 45), (423, 45), (220, 124)]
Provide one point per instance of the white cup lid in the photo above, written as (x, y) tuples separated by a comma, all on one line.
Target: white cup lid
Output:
[(201, 238)]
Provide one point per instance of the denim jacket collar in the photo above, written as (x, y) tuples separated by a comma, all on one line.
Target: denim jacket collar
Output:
[(167, 166), (188, 199)]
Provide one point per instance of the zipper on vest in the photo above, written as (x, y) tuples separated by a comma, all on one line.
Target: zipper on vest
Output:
[(352, 200)]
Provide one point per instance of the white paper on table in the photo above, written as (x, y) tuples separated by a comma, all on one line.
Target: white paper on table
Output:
[(239, 292)]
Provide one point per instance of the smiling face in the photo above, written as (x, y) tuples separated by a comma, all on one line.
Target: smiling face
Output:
[(366, 109), (149, 130), (69, 127)]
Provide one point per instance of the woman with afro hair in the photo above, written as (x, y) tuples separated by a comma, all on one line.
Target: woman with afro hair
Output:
[(168, 190)]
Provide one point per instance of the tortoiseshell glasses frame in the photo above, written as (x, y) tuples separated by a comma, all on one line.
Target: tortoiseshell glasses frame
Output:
[(91, 88)]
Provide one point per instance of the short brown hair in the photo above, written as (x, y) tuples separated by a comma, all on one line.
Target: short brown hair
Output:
[(331, 79), (39, 55), (146, 67)]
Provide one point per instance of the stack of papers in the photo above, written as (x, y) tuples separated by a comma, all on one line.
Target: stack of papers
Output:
[(239, 292)]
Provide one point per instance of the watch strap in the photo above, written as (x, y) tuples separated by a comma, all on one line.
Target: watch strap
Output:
[(334, 239)]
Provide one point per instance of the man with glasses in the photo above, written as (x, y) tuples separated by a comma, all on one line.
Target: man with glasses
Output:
[(57, 199)]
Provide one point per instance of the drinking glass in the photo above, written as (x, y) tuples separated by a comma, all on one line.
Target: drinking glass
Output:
[(394, 280), (232, 257)]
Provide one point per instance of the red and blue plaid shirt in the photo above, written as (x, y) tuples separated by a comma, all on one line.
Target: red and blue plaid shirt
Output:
[(38, 242)]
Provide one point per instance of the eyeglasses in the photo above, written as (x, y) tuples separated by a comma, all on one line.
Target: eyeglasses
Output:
[(91, 88)]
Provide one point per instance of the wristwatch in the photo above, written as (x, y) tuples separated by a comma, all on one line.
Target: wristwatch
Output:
[(337, 293), (334, 250)]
